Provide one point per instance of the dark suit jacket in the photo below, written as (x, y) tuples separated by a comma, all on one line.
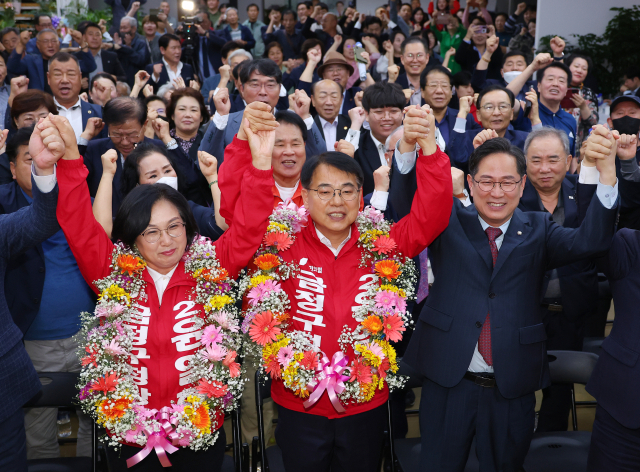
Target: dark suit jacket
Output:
[(468, 58), (111, 65), (579, 280), (216, 140), (212, 43), (615, 381), (369, 159), (344, 123), (467, 287), (290, 44), (134, 58), (31, 66), (19, 232), (462, 147), (247, 36), (186, 73), (90, 110)]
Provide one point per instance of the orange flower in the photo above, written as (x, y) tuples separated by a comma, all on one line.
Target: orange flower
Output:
[(116, 409), (281, 317), (264, 328), (266, 261), (129, 264), (384, 245), (280, 240), (387, 269), (206, 274), (373, 324), (200, 418)]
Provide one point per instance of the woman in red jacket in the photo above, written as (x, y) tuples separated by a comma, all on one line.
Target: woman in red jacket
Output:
[(314, 283), (160, 367)]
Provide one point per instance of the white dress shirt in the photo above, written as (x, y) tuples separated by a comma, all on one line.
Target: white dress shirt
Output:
[(73, 114), (380, 148), (324, 240), (330, 131), (161, 281), (287, 193)]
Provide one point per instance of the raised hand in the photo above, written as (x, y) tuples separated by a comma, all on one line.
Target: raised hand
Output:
[(627, 146), (110, 162), (157, 70), (557, 45), (142, 76), (492, 44), (68, 135), (178, 83), (600, 144), (314, 56), (301, 103), (534, 114), (194, 84), (259, 117), (482, 137), (147, 91), (337, 39), (93, 128), (19, 85), (542, 60), (381, 178), (358, 117), (261, 144), (3, 138), (387, 46), (345, 147), (222, 101), (48, 149), (357, 98), (465, 106), (117, 39), (416, 125), (208, 166), (457, 179), (225, 73), (521, 8), (394, 72), (25, 36), (161, 128)]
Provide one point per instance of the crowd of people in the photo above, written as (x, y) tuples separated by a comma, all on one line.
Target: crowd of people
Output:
[(418, 184)]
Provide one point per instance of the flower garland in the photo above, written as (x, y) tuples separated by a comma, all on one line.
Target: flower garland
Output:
[(107, 389), (290, 354)]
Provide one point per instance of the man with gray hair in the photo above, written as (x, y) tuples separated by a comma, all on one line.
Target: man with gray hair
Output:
[(131, 48), (36, 66), (571, 292), (234, 31)]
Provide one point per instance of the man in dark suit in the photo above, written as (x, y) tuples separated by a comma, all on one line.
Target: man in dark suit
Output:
[(209, 48), (326, 97), (106, 61), (65, 80), (260, 81), (615, 381), (289, 38), (36, 66), (483, 354), (19, 232), (171, 67), (335, 67), (382, 105), (415, 59), (131, 48)]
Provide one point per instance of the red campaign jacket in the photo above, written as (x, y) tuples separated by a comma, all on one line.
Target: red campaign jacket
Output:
[(164, 339), (326, 288)]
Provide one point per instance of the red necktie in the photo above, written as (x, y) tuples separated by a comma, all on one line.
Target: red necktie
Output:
[(484, 342)]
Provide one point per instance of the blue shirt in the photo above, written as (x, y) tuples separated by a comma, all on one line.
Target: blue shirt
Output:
[(443, 126), (560, 120), (65, 293)]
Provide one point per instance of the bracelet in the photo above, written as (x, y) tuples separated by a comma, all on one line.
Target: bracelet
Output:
[(485, 59), (173, 144), (214, 182)]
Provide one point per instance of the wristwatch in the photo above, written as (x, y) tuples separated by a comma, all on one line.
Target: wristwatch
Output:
[(173, 144)]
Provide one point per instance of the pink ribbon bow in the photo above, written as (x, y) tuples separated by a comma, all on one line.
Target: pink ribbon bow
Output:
[(329, 375), (158, 440)]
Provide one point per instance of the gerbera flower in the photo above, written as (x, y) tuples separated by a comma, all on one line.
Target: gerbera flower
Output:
[(360, 372), (393, 327), (211, 335), (384, 245), (129, 264), (266, 261), (229, 361), (387, 269), (310, 360), (90, 359), (113, 348), (115, 409), (285, 355), (280, 240), (185, 437), (373, 324), (401, 304), (131, 435), (210, 276), (222, 318), (383, 368), (264, 329), (273, 369), (200, 418), (106, 384), (385, 299), (214, 353), (213, 389)]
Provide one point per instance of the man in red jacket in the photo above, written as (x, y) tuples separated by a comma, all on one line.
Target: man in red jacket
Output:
[(319, 438)]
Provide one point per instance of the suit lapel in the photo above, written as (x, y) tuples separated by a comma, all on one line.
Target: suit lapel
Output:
[(570, 204), (343, 127), (371, 152), (317, 120), (517, 232), (470, 223), (41, 74)]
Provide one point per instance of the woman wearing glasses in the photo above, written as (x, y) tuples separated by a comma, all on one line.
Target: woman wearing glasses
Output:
[(152, 268)]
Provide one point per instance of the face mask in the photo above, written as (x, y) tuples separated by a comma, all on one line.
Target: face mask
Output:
[(626, 125), (170, 181), (509, 76)]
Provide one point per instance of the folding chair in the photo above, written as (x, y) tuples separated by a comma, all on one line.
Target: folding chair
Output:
[(59, 391), (564, 451)]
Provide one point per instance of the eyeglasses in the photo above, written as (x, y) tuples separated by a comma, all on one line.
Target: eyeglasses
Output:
[(153, 235), (379, 114), (47, 41), (488, 185), (255, 85), (326, 192), (117, 137), (418, 56), (436, 86), (503, 108)]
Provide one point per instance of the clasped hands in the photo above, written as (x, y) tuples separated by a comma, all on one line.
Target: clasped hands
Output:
[(601, 149), (419, 128), (53, 139)]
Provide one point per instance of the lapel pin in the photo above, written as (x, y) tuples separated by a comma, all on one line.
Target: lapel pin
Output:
[(519, 233), (570, 197), (89, 111), (345, 127)]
